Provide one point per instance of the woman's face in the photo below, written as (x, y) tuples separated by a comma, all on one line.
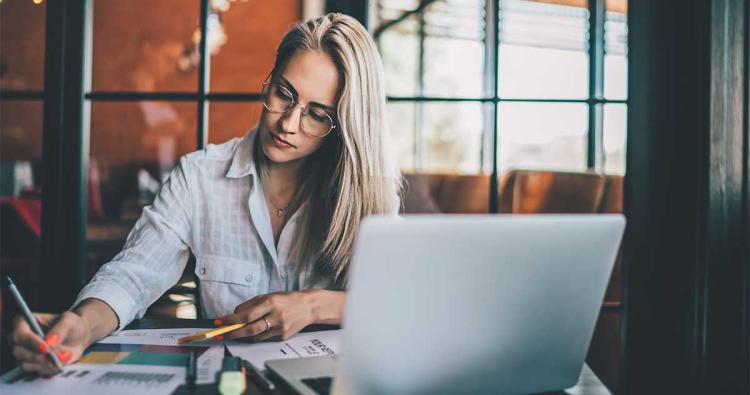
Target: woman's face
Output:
[(313, 80)]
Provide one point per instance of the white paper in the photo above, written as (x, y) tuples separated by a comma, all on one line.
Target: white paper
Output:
[(301, 345), (209, 363), (157, 337), (97, 379)]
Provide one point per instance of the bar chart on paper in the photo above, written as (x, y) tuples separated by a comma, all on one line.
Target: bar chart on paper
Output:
[(96, 379)]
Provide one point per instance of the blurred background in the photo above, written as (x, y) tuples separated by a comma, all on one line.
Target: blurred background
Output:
[(515, 106)]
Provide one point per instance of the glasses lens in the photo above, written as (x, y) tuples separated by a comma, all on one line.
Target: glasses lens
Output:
[(277, 98), (317, 122)]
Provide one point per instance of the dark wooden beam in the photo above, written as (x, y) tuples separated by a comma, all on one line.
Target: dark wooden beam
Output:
[(686, 246), (65, 152)]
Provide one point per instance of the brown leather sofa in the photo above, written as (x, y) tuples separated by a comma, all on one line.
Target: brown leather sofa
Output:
[(527, 192), (520, 192)]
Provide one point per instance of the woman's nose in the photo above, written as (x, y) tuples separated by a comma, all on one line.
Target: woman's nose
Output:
[(290, 121)]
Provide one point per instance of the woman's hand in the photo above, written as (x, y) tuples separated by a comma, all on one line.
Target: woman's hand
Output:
[(68, 335), (283, 314)]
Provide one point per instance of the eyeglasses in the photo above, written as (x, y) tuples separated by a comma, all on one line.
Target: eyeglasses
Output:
[(314, 120)]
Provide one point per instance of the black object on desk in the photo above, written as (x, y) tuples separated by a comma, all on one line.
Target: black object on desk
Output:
[(258, 377), (321, 385), (192, 371)]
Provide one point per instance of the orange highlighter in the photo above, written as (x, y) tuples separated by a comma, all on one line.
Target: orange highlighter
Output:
[(209, 333)]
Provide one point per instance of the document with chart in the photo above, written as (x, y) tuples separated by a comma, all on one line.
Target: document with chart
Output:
[(96, 379), (301, 345), (126, 367)]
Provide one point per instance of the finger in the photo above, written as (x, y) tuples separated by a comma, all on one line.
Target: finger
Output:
[(44, 319), (248, 304), (44, 370), (274, 333), (49, 371), (253, 313), (58, 333), (65, 356), (23, 354), (31, 367), (255, 328), (24, 336), (39, 357)]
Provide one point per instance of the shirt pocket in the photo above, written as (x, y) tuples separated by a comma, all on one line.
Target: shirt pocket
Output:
[(226, 282)]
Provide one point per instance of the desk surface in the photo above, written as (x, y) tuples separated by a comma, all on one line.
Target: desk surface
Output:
[(588, 384)]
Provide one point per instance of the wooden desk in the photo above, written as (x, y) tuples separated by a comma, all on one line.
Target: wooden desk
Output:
[(588, 383)]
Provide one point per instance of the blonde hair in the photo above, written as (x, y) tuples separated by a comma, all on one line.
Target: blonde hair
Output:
[(352, 175)]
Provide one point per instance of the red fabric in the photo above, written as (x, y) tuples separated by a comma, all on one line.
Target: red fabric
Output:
[(95, 197), (28, 209)]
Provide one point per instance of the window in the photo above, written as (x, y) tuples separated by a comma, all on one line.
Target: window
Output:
[(152, 100), (561, 74), (22, 46)]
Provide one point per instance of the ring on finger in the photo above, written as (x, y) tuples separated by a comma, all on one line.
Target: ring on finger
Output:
[(268, 325)]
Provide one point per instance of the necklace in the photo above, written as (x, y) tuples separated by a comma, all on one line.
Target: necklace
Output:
[(279, 211)]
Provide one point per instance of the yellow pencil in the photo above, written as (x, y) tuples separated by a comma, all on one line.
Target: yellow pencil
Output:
[(209, 333)]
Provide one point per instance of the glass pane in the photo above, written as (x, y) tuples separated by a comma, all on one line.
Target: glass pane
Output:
[(22, 45), (243, 39), (454, 49), (546, 136), (402, 127), (616, 50), (21, 130), (399, 49), (145, 45), (453, 67), (452, 135), (134, 146), (20, 192), (543, 50), (228, 120), (615, 132)]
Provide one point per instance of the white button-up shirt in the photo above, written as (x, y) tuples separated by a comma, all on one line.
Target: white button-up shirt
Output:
[(213, 205)]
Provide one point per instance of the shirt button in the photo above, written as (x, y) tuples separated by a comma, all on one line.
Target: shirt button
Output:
[(203, 270), (249, 278)]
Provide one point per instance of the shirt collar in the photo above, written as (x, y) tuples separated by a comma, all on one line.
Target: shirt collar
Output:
[(242, 161)]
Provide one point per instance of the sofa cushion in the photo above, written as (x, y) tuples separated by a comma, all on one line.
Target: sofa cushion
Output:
[(548, 192), (464, 194)]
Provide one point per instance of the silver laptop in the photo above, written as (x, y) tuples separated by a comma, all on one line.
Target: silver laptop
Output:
[(473, 304)]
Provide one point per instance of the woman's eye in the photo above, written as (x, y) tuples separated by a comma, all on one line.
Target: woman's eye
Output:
[(318, 115), (283, 95)]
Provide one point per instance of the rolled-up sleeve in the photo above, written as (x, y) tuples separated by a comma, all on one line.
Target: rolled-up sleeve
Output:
[(154, 255)]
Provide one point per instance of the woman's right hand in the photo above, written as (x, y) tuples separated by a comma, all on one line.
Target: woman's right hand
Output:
[(68, 335)]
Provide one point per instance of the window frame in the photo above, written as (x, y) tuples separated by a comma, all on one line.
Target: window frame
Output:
[(491, 100)]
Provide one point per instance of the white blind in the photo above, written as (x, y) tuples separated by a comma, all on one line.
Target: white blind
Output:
[(544, 25)]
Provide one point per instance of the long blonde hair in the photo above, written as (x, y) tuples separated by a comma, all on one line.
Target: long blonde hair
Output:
[(352, 175)]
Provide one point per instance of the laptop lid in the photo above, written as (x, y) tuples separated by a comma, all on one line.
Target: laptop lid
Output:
[(474, 303)]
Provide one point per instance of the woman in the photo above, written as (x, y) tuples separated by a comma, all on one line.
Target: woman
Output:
[(271, 217)]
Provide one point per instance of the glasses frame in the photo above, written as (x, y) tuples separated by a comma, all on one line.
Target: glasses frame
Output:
[(293, 104)]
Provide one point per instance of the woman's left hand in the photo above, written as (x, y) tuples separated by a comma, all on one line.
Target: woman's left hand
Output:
[(283, 314)]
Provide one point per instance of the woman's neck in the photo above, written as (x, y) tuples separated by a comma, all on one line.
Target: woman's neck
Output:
[(284, 179)]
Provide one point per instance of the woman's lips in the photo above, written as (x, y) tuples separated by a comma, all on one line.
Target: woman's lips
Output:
[(279, 142)]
